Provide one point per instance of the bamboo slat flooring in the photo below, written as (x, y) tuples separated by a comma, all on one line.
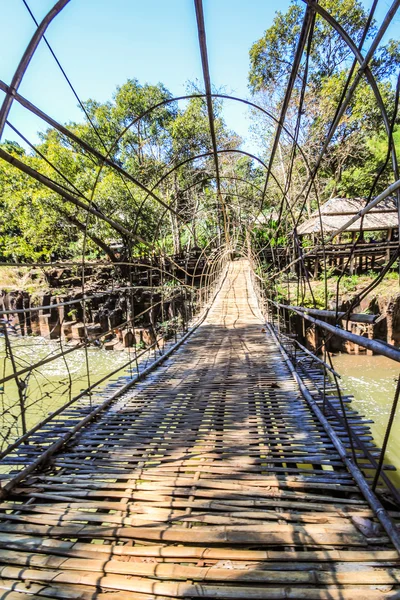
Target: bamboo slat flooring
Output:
[(211, 478)]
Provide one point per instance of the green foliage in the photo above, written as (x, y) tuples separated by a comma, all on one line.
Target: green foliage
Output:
[(357, 151), (317, 301), (271, 57), (30, 228), (38, 224)]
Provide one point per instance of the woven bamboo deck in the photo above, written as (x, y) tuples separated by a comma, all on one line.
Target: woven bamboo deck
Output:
[(212, 478)]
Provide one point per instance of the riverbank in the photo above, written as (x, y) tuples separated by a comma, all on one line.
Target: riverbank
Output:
[(117, 306), (383, 301)]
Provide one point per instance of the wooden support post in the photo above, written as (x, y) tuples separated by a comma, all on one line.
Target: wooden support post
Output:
[(353, 237), (389, 239)]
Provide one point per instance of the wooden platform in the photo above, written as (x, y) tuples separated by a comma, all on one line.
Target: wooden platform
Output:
[(210, 479)]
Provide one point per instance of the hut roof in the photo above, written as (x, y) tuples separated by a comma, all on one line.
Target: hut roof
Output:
[(337, 211)]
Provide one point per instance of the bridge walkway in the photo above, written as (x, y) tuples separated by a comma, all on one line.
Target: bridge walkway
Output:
[(212, 478)]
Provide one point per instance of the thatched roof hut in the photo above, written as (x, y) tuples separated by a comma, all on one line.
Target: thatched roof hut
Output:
[(337, 211)]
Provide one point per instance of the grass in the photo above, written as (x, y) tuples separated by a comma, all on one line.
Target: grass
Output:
[(349, 287), (27, 279)]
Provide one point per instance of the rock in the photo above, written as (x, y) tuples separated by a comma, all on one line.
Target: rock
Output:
[(48, 328), (93, 332), (35, 325), (67, 329), (107, 338), (146, 336), (395, 324), (44, 325), (128, 339), (111, 345), (78, 331)]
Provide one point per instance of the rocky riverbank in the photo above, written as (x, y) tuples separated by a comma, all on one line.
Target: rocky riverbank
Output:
[(386, 327), (118, 311), (383, 301)]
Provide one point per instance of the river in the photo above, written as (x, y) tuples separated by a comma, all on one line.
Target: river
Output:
[(53, 384), (372, 381)]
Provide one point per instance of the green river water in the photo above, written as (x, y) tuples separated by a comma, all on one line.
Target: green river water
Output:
[(372, 381), (49, 385)]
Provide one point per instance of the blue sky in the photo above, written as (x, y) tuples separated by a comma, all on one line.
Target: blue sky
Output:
[(101, 43)]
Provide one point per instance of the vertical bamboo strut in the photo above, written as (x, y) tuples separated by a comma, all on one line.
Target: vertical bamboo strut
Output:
[(18, 382), (387, 434)]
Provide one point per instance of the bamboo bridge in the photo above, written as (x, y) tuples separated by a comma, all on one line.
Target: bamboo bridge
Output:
[(213, 477), (222, 459)]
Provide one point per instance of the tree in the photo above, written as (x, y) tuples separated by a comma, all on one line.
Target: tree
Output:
[(30, 228), (149, 144), (350, 164)]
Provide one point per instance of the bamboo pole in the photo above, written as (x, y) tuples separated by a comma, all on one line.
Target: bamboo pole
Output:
[(331, 314), (376, 346), (368, 494)]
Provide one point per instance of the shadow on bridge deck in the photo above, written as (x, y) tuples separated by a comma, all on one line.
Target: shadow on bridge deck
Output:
[(212, 478)]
